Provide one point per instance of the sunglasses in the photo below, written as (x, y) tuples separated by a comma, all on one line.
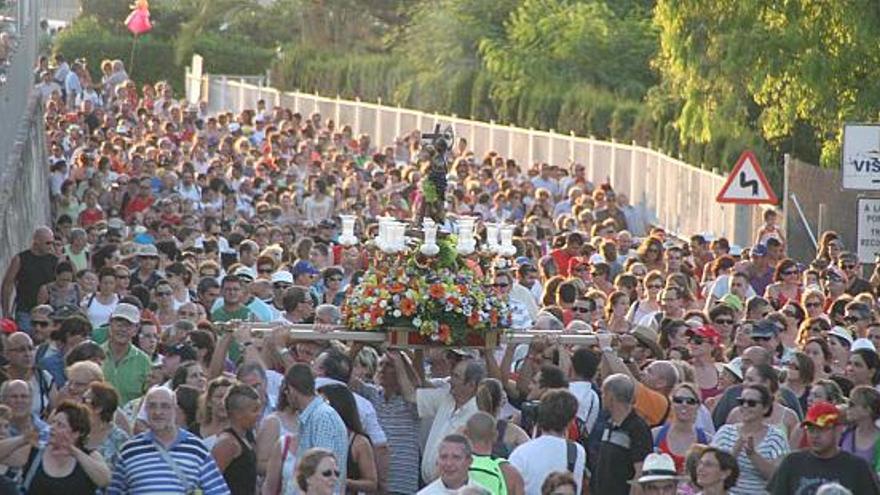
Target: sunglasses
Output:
[(790, 272), (163, 293), (339, 279), (501, 286), (580, 309), (685, 400), (851, 318), (264, 270), (722, 321), (761, 339), (40, 323), (330, 472), (847, 267), (749, 402), (696, 339)]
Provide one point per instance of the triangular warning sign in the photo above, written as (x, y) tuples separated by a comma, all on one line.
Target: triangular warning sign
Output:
[(747, 184)]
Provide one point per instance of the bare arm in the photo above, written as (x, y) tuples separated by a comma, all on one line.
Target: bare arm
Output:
[(43, 295), (407, 389), (225, 451), (94, 466), (267, 436), (513, 480), (218, 360), (363, 456), (10, 448), (9, 285), (272, 485)]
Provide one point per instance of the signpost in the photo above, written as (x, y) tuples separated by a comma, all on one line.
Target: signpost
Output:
[(860, 157), (747, 184)]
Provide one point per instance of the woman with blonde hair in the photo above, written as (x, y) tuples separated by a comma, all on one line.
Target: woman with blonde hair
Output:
[(317, 472), (680, 432)]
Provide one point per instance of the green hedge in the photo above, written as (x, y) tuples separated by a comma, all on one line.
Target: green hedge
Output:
[(154, 57)]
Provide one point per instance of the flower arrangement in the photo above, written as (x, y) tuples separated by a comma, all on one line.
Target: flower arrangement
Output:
[(442, 297)]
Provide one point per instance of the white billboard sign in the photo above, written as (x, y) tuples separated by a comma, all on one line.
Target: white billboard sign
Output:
[(860, 157)]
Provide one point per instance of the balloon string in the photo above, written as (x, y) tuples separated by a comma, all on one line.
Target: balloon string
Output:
[(131, 57)]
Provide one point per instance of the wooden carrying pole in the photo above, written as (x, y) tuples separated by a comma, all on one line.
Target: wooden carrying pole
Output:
[(311, 332)]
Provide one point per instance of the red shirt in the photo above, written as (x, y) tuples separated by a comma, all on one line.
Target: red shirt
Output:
[(138, 204), (562, 258), (90, 217)]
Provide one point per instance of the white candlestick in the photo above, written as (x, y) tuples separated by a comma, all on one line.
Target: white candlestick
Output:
[(347, 238), (430, 247), (507, 248)]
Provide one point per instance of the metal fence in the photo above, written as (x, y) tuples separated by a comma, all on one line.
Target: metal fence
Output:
[(815, 202), (24, 174), (672, 193), (19, 77)]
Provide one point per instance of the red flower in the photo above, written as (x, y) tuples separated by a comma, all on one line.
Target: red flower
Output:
[(396, 288), (437, 291), (407, 306), (445, 333), (474, 319)]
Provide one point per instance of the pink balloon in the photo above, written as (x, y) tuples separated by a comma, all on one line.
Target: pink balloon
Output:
[(138, 21)]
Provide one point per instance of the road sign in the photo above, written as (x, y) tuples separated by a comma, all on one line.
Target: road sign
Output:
[(869, 229), (747, 184), (860, 157)]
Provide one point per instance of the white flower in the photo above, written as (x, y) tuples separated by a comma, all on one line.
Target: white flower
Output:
[(379, 320), (383, 303), (397, 313), (417, 322)]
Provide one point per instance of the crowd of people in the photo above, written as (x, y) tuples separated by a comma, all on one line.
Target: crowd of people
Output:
[(126, 369)]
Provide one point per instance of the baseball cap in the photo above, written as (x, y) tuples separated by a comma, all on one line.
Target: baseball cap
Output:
[(245, 272), (862, 343), (327, 224), (822, 414), (303, 266), (148, 251), (843, 334), (128, 312), (707, 332), (733, 301), (735, 368), (282, 276), (186, 352), (65, 311), (8, 326), (764, 328), (759, 250)]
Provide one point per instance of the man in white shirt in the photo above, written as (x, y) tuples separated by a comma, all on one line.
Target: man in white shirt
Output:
[(450, 408), (551, 451), (453, 462)]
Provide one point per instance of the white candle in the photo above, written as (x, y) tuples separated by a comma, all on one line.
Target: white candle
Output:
[(430, 247), (507, 248), (347, 238)]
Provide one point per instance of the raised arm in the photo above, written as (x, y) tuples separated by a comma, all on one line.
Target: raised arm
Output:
[(9, 285)]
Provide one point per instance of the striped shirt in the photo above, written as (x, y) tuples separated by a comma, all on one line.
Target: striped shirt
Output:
[(142, 470), (321, 426), (750, 481), (400, 420)]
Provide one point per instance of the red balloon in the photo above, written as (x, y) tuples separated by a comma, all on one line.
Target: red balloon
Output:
[(138, 22)]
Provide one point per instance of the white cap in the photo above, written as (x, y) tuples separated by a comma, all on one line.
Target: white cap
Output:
[(128, 312), (862, 343), (842, 333), (282, 276)]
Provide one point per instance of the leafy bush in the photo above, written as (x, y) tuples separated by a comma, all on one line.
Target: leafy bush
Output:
[(153, 57)]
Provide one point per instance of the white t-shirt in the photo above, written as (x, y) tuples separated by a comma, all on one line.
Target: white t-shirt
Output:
[(99, 313), (538, 458), (447, 419), (438, 488), (588, 402)]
